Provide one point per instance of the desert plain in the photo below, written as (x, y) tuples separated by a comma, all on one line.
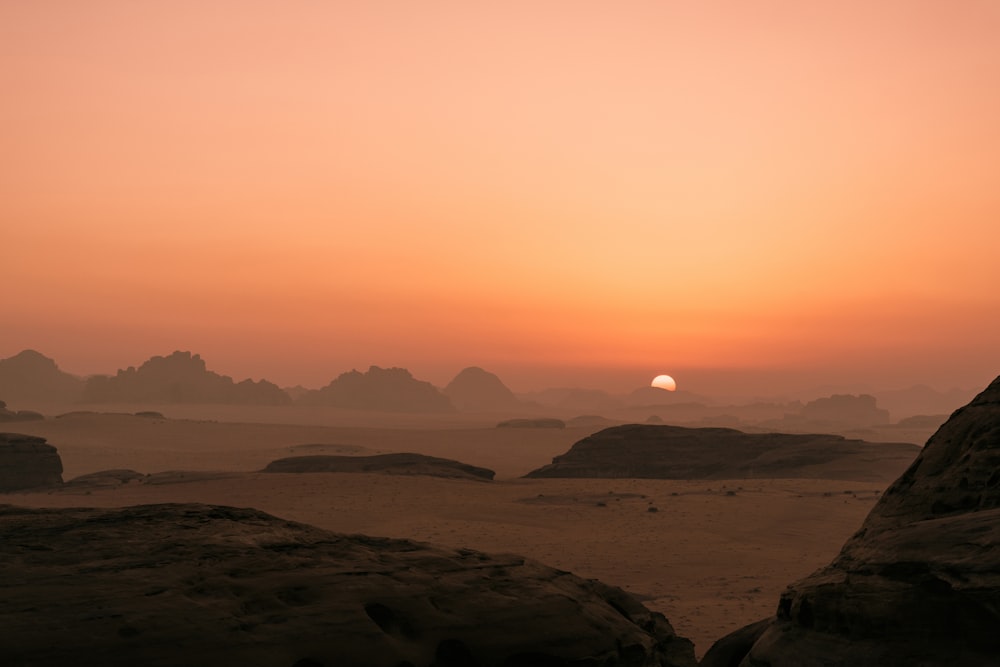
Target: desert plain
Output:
[(711, 555)]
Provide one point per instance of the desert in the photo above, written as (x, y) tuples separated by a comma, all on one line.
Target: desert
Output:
[(710, 555)]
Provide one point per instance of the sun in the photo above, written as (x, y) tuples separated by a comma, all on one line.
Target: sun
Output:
[(664, 382)]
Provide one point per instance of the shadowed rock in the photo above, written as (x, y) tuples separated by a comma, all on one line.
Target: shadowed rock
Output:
[(202, 585), (384, 389), (676, 452), (18, 416), (396, 464), (26, 462), (919, 583)]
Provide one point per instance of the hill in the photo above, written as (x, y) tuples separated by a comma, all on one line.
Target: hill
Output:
[(386, 389)]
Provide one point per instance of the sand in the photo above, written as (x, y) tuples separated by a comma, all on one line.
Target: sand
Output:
[(713, 557)]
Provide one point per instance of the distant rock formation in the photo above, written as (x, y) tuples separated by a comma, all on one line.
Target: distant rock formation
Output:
[(923, 400), (573, 399), (844, 410), (919, 583), (180, 377), (474, 389), (537, 422), (26, 462), (393, 464), (385, 389), (204, 585), (676, 452), (19, 416), (31, 377)]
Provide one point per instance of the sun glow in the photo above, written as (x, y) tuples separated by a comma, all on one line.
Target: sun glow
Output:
[(664, 382)]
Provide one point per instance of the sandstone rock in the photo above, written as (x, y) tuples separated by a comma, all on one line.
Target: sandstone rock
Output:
[(27, 462), (202, 585), (105, 478), (396, 464), (676, 452), (919, 583), (31, 377), (18, 416)]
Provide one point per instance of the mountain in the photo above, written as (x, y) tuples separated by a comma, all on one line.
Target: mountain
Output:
[(30, 376), (476, 390), (918, 584), (922, 400), (385, 389), (180, 377)]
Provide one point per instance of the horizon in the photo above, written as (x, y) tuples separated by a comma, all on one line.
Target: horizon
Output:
[(754, 200)]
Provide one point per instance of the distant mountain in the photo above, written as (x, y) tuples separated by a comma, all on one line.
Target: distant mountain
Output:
[(573, 399), (30, 376), (474, 389), (385, 389), (181, 377), (649, 396), (923, 400)]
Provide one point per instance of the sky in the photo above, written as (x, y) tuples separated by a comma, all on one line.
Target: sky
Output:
[(751, 197)]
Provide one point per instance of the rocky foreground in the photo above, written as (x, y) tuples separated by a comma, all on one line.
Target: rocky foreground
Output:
[(208, 585), (677, 452), (919, 584)]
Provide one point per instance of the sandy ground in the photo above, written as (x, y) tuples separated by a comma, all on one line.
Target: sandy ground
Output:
[(713, 556)]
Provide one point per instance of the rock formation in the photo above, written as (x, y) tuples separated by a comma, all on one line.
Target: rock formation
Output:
[(32, 377), (840, 411), (537, 422), (474, 389), (180, 377), (27, 462), (19, 416), (206, 585), (393, 464), (676, 452), (919, 583), (385, 389)]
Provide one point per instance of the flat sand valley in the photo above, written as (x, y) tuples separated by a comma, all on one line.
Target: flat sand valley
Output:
[(711, 555)]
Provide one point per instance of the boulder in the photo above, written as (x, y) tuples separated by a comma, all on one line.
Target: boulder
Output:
[(677, 452), (204, 585), (27, 462), (919, 583), (394, 464)]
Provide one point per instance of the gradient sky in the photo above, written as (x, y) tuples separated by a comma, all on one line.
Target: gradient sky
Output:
[(748, 196)]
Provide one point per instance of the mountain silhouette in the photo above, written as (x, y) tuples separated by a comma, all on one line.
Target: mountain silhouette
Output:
[(385, 389), (31, 376), (181, 377), (474, 389)]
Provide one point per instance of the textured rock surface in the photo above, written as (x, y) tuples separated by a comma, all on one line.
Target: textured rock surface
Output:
[(204, 585), (919, 583), (676, 452), (27, 462), (397, 464)]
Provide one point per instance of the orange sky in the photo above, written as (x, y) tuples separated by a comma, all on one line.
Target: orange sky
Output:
[(574, 192)]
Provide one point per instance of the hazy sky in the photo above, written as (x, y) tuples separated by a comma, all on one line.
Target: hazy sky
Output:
[(764, 194)]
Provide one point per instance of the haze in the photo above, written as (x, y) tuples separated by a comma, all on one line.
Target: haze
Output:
[(748, 197)]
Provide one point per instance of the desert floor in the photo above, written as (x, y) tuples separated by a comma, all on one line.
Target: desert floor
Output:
[(715, 555)]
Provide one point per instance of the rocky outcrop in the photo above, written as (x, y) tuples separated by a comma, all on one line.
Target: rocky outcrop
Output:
[(919, 583), (840, 411), (676, 452), (384, 389), (27, 462), (393, 464), (180, 377), (18, 416), (538, 422), (31, 377), (474, 389), (206, 585)]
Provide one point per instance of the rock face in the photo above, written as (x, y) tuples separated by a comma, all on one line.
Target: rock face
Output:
[(180, 377), (474, 389), (394, 464), (919, 583), (30, 376), (27, 462), (676, 452), (204, 585), (385, 389)]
